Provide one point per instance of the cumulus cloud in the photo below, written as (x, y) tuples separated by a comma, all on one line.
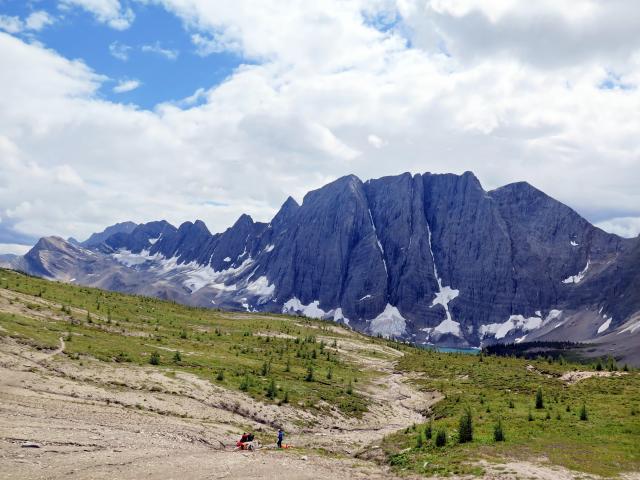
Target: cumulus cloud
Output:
[(109, 12), (330, 88), (11, 24), (36, 21), (124, 86)]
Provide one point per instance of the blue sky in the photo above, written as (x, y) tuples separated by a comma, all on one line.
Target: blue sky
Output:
[(288, 95), (156, 50)]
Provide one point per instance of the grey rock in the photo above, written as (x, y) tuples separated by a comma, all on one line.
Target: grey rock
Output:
[(459, 264)]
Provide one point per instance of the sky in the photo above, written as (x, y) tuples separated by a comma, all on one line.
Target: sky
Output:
[(114, 110)]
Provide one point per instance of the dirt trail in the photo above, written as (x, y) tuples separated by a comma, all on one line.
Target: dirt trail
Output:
[(394, 403), (58, 350)]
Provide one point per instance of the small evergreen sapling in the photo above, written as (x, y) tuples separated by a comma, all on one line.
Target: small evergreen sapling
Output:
[(465, 427), (583, 413), (441, 438), (498, 433), (539, 399)]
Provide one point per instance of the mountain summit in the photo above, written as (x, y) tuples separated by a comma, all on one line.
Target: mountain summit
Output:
[(430, 258)]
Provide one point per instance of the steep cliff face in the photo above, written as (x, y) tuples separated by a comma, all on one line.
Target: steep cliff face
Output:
[(429, 258)]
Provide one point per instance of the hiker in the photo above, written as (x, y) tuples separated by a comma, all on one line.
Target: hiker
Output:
[(280, 437), (241, 444)]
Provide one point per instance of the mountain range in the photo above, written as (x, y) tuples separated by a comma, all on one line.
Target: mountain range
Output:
[(429, 258)]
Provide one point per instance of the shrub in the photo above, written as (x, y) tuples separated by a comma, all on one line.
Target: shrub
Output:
[(245, 383), (441, 438), (419, 440), (220, 376), (154, 359), (498, 433), (271, 390), (428, 431), (465, 427), (530, 416), (349, 388), (177, 358)]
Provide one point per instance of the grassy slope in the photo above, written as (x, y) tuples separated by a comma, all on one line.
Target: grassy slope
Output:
[(130, 329), (504, 388), (232, 350)]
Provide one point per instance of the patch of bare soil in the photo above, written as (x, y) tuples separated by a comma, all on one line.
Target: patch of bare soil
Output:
[(575, 377), (515, 470)]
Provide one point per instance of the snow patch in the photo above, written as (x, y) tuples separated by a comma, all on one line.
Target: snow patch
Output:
[(269, 248), (195, 276), (448, 326), (338, 315), (574, 243), (515, 322), (365, 297), (578, 277), (378, 242), (261, 287), (296, 306), (153, 241), (605, 325), (390, 323), (130, 259), (443, 296), (631, 328), (227, 259)]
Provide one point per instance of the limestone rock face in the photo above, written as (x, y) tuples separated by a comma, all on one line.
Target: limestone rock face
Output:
[(428, 258)]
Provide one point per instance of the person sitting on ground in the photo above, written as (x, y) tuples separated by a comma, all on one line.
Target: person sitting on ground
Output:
[(280, 437), (250, 437), (243, 440)]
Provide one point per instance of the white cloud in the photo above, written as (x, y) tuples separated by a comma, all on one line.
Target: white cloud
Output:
[(109, 12), (322, 78), (376, 141), (38, 20), (11, 24), (126, 86), (156, 48), (216, 43), (119, 50), (625, 226), (14, 248)]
